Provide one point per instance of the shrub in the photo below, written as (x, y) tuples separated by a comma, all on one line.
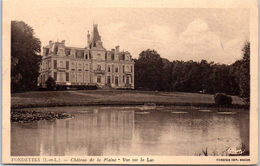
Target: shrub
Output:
[(50, 83), (222, 99)]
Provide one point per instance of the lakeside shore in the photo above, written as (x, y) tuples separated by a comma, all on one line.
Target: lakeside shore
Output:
[(36, 99)]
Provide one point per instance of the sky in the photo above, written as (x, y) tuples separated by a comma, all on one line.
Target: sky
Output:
[(213, 34)]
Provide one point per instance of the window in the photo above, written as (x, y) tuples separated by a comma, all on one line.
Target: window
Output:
[(123, 56), (127, 80), (67, 52), (108, 80), (47, 51), (67, 76), (112, 68), (131, 69), (123, 68), (67, 65), (123, 79), (79, 70), (99, 67), (112, 56), (98, 79), (86, 56), (108, 69), (56, 50), (55, 64), (105, 56), (55, 76), (116, 69), (116, 80)]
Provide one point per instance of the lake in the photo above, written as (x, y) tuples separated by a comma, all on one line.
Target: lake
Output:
[(110, 131)]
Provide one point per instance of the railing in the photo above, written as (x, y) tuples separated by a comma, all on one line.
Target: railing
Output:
[(99, 71), (127, 72)]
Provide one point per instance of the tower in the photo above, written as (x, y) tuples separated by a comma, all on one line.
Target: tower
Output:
[(95, 40)]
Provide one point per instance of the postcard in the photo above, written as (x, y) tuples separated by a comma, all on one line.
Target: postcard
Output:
[(130, 82)]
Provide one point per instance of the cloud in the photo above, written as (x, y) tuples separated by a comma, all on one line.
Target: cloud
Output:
[(138, 37), (198, 42)]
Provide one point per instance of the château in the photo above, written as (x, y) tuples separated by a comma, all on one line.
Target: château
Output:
[(92, 65)]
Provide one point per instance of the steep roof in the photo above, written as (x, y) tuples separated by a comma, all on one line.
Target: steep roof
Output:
[(96, 36)]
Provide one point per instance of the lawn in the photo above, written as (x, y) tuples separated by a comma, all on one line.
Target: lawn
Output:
[(111, 97)]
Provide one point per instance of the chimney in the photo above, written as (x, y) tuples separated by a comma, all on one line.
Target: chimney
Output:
[(50, 42), (117, 49)]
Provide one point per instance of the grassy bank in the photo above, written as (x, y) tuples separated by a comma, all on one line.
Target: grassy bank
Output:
[(113, 97)]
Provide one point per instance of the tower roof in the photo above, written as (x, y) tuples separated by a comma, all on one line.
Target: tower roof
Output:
[(96, 36)]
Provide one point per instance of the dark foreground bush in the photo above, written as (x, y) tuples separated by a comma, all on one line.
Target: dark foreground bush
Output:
[(50, 83), (222, 99)]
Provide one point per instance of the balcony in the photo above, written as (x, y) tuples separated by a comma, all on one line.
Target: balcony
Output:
[(61, 68), (99, 71), (127, 72)]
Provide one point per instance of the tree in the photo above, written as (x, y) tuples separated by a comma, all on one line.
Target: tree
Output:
[(244, 81), (25, 60), (149, 70), (50, 83), (166, 75)]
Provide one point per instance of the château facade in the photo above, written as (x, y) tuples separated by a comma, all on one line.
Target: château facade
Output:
[(92, 65)]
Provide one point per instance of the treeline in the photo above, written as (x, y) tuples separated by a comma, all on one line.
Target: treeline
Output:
[(155, 73)]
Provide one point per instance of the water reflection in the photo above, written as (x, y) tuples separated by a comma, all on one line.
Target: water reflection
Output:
[(119, 131)]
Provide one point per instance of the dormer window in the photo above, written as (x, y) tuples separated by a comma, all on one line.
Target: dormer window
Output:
[(55, 50), (112, 56), (47, 51), (67, 52)]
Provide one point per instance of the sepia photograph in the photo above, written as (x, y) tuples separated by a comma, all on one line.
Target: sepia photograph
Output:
[(125, 83)]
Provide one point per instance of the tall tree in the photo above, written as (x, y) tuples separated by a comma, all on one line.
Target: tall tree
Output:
[(149, 70), (244, 81), (25, 60)]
